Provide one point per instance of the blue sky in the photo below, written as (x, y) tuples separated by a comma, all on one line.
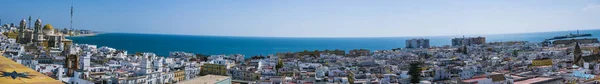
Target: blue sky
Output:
[(312, 18)]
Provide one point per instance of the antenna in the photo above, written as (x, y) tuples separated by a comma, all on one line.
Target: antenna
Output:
[(71, 25), (29, 21)]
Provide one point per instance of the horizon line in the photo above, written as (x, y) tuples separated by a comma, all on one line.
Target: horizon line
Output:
[(417, 36)]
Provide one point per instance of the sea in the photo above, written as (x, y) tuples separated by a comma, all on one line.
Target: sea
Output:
[(162, 44)]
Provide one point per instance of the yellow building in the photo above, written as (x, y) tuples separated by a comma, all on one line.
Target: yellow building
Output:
[(23, 75), (11, 34), (213, 69), (541, 62), (179, 76)]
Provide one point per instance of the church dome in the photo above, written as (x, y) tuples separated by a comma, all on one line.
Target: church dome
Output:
[(48, 27)]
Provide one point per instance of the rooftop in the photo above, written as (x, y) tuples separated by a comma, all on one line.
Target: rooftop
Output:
[(532, 80), (208, 79), (7, 65)]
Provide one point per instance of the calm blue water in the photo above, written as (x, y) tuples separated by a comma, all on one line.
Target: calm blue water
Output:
[(250, 46)]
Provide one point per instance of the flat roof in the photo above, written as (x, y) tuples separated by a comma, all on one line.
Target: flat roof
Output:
[(8, 65), (208, 79), (532, 80), (474, 79)]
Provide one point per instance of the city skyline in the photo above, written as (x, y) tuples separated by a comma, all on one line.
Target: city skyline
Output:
[(304, 18)]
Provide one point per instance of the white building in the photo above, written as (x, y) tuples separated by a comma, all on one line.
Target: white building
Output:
[(320, 72), (440, 74), (78, 78), (222, 61), (85, 61)]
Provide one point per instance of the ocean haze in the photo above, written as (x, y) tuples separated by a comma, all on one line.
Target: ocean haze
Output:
[(162, 44)]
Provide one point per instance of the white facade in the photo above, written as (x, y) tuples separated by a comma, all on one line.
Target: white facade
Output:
[(440, 74), (85, 61), (76, 79), (466, 74), (221, 61)]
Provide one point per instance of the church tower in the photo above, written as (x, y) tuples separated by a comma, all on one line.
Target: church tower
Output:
[(577, 55), (72, 64), (24, 36), (22, 27), (37, 31)]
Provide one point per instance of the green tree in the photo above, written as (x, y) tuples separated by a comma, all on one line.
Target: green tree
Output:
[(202, 57), (427, 56), (464, 50), (279, 65), (415, 72), (459, 50), (515, 53), (350, 76)]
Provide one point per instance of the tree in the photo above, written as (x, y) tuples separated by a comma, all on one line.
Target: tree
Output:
[(427, 56), (415, 72), (459, 50), (279, 65), (350, 78), (465, 50), (202, 57), (515, 53)]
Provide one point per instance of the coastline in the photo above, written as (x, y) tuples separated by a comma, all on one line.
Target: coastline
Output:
[(84, 35), (162, 44)]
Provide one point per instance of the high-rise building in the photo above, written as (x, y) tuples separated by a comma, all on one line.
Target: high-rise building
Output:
[(468, 41), (417, 43)]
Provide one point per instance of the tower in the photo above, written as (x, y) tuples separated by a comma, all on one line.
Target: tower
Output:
[(22, 28), (84, 61), (578, 60), (71, 19), (29, 21), (37, 31), (71, 63), (38, 26)]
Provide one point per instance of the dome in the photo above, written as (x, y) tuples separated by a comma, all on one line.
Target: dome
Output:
[(22, 21), (38, 20), (48, 27)]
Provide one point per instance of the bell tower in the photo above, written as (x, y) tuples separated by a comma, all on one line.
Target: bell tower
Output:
[(578, 60), (71, 63)]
